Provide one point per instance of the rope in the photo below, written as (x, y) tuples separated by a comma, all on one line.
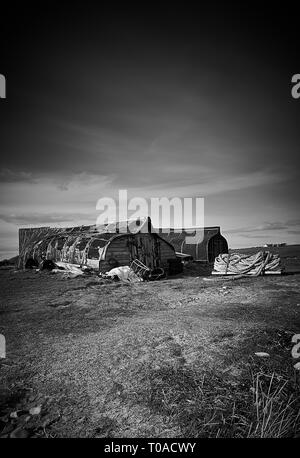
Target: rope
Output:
[(263, 262)]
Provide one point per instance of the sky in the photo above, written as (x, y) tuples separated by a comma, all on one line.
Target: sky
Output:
[(163, 101)]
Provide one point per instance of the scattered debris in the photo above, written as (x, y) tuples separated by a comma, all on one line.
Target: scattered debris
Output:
[(263, 262), (136, 272), (124, 273), (145, 273), (35, 410), (155, 274), (69, 270), (139, 268)]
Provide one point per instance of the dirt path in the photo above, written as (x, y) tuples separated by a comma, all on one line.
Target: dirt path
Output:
[(129, 360)]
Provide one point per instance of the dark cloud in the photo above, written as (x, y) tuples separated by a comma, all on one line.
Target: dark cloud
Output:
[(13, 176), (273, 226), (123, 93), (255, 236), (168, 98), (39, 218), (293, 222)]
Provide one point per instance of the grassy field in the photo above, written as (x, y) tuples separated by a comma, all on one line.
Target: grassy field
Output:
[(173, 358)]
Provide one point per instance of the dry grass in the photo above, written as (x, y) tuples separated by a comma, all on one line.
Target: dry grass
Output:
[(173, 358), (210, 406), (277, 414)]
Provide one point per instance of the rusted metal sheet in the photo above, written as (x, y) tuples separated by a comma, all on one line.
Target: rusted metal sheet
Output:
[(88, 245)]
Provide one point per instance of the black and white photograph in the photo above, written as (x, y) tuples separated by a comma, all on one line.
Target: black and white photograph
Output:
[(149, 224)]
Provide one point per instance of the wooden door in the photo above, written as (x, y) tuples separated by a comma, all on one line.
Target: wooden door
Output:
[(215, 247), (145, 247)]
